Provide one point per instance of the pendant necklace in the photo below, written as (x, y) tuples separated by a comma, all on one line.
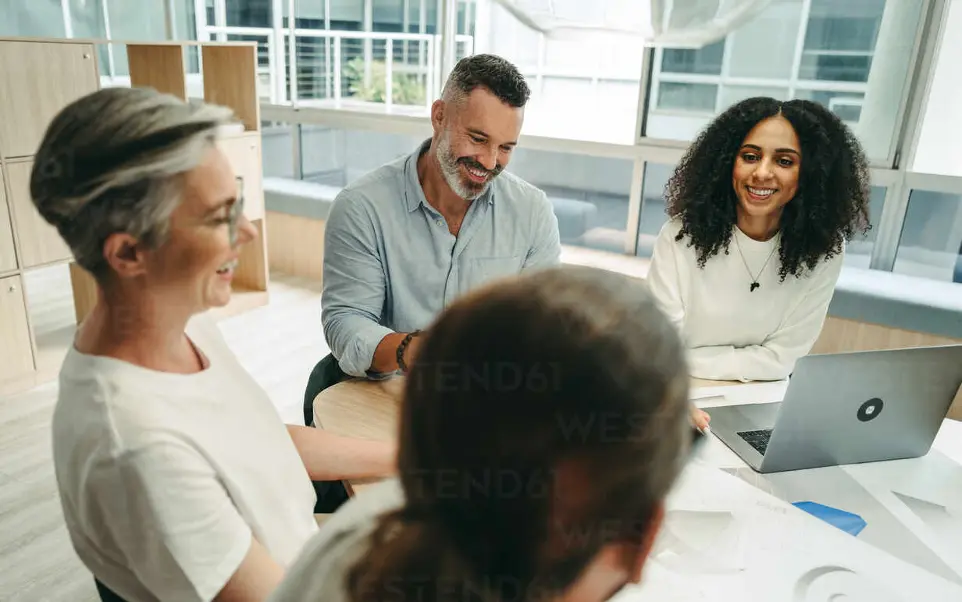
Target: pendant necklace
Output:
[(754, 278)]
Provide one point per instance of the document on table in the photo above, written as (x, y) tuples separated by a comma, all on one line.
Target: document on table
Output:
[(753, 392), (726, 540)]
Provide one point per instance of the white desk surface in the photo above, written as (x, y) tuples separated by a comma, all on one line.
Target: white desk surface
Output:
[(724, 540), (912, 508)]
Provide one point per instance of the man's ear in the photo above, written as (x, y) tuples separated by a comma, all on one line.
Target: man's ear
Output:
[(125, 255), (438, 110), (648, 542)]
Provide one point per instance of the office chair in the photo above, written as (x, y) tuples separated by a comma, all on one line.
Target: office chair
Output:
[(326, 373), (105, 593)]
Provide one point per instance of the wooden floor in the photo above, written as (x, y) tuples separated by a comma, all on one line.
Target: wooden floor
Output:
[(278, 344)]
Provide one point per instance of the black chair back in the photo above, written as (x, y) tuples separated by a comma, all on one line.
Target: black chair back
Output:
[(106, 594), (326, 373)]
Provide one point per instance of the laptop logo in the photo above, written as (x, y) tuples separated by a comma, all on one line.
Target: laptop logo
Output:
[(870, 409)]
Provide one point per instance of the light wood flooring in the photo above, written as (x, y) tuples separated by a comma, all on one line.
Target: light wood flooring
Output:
[(278, 344)]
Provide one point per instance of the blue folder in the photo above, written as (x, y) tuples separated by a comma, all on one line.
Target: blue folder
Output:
[(846, 521)]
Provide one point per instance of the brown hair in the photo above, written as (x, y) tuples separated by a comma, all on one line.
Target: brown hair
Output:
[(544, 417)]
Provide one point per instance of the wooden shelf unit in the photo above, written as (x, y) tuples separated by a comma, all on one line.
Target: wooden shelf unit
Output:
[(38, 78)]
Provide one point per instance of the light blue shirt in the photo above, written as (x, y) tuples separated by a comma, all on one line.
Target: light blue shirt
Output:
[(392, 265)]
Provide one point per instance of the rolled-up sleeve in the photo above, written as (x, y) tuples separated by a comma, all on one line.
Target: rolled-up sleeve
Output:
[(354, 286), (545, 250)]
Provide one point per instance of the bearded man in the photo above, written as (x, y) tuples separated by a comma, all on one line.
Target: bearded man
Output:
[(405, 240)]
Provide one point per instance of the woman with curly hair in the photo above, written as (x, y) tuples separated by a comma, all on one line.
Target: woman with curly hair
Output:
[(760, 208)]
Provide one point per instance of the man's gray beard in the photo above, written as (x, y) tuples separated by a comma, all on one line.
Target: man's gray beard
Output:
[(449, 169)]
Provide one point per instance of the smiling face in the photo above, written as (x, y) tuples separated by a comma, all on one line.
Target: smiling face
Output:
[(475, 137), (196, 263), (766, 171)]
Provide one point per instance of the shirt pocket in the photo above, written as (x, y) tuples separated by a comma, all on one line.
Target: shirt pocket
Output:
[(480, 270)]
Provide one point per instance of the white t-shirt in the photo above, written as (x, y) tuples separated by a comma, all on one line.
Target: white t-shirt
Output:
[(344, 539), (165, 477), (733, 333)]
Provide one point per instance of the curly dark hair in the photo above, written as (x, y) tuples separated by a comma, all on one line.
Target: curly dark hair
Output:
[(829, 208)]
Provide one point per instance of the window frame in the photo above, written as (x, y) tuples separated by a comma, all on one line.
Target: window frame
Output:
[(888, 171), (920, 71)]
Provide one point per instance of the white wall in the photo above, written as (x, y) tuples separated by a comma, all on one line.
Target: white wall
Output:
[(940, 141)]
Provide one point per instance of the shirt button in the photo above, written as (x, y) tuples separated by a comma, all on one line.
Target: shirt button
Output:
[(440, 223)]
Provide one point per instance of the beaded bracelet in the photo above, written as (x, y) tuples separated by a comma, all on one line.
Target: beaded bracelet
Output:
[(402, 347)]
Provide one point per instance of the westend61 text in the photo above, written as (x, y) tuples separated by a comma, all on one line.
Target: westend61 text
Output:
[(496, 377)]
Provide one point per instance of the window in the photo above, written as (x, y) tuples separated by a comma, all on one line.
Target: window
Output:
[(584, 89), (277, 149), (858, 252), (87, 21), (337, 157), (817, 50), (249, 13), (771, 35), (931, 241), (328, 155), (35, 18), (707, 60), (687, 97), (133, 22), (350, 70), (840, 40), (653, 215), (847, 105), (589, 194), (939, 151)]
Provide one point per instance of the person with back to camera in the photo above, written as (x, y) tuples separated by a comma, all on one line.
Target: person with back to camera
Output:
[(177, 478), (760, 208), (543, 422)]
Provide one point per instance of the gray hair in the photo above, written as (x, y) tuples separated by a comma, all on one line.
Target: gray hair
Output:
[(113, 161), (491, 72)]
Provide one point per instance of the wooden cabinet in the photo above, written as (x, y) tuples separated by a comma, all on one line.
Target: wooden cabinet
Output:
[(8, 255), (40, 243), (16, 352), (244, 153), (37, 80)]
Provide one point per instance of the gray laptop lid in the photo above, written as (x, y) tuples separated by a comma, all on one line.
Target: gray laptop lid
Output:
[(864, 407)]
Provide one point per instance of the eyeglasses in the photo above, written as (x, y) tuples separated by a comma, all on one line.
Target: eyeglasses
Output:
[(236, 211)]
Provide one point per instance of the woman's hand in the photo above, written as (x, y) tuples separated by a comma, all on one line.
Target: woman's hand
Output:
[(699, 418)]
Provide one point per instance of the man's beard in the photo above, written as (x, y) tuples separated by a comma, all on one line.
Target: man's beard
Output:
[(461, 185)]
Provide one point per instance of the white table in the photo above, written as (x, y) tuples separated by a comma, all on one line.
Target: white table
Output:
[(912, 508)]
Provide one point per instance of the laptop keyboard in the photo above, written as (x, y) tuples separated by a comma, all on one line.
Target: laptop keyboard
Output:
[(757, 439)]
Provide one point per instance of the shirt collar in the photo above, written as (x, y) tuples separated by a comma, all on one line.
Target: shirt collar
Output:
[(414, 193)]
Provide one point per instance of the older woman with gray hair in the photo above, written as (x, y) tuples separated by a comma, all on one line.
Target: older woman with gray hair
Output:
[(177, 478)]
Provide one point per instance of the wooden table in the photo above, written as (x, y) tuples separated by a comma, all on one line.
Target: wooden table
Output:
[(369, 410)]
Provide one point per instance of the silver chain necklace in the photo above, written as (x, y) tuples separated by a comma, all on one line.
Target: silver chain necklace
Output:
[(754, 278)]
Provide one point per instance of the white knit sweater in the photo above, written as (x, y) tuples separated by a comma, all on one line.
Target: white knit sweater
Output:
[(733, 333)]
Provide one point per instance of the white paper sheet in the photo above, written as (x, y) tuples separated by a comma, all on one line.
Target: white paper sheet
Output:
[(755, 392)]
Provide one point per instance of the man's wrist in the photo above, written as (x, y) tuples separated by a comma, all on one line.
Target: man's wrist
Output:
[(402, 349)]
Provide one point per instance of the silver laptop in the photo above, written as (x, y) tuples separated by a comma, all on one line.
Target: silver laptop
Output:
[(847, 408)]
